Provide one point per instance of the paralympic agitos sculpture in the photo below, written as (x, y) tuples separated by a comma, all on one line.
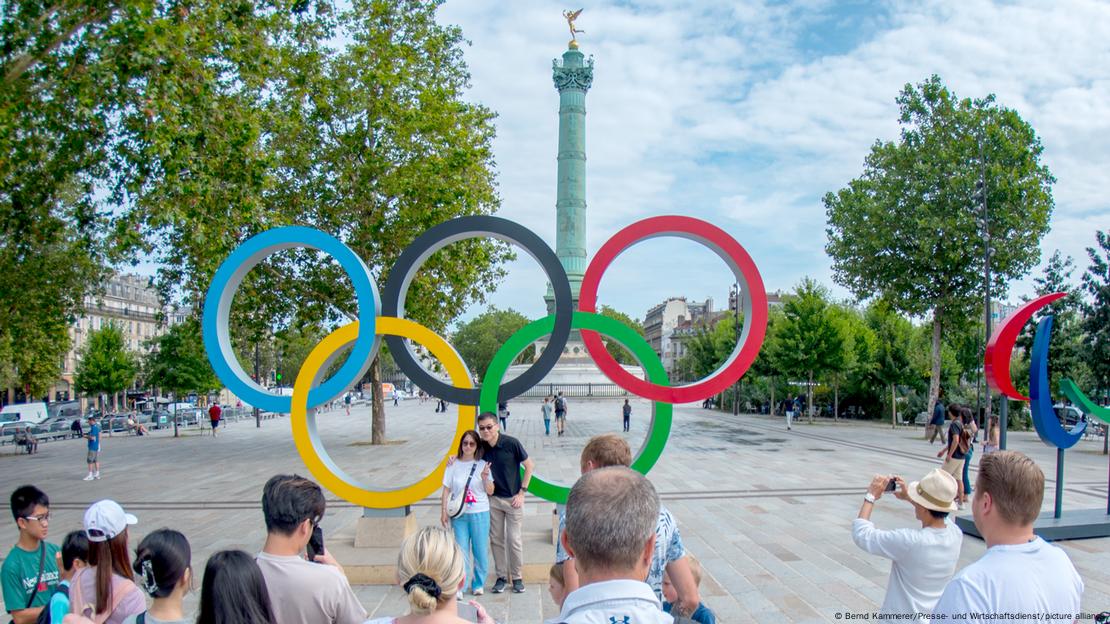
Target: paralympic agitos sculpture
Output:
[(309, 392)]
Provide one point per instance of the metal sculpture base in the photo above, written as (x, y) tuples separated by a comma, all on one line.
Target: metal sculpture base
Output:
[(1075, 524)]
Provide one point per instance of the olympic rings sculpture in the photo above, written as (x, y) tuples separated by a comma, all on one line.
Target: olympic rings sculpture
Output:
[(310, 390)]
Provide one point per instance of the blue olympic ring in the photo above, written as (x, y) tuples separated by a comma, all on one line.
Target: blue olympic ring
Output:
[(217, 309)]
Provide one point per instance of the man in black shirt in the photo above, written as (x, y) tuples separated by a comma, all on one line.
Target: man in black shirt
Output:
[(505, 455)]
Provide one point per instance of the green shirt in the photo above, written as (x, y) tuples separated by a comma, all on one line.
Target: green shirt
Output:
[(21, 570)]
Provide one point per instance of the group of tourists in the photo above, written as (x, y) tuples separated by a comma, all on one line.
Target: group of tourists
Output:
[(1020, 572)]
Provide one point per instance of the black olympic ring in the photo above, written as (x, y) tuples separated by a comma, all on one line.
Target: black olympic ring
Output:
[(413, 256)]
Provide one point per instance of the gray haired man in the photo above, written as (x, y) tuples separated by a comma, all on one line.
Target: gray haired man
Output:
[(610, 532)]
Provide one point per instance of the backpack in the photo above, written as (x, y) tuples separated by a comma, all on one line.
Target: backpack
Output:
[(560, 404), (44, 615), (964, 444)]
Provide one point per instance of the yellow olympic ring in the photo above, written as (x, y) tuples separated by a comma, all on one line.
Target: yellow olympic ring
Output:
[(312, 451)]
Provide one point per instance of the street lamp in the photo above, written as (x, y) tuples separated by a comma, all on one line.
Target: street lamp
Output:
[(734, 301), (980, 202)]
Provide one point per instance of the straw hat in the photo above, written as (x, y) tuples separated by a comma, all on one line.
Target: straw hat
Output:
[(936, 491)]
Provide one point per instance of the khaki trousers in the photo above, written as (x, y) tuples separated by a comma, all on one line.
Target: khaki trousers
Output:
[(505, 528)]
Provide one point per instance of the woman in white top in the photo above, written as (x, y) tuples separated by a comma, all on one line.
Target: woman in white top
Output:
[(468, 479), (431, 569)]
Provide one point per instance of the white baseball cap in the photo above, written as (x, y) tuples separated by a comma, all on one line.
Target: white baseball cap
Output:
[(106, 519)]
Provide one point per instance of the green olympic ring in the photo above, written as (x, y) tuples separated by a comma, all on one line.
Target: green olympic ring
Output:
[(1086, 405), (658, 431)]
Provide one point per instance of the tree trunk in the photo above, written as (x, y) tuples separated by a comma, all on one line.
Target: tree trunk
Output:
[(773, 410), (934, 374), (377, 403), (809, 397), (893, 408), (836, 399)]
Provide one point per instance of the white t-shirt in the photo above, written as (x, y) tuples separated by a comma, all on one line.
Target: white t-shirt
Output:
[(1031, 578), (454, 478), (922, 562)]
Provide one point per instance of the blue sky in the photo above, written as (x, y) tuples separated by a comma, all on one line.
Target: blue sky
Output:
[(745, 114)]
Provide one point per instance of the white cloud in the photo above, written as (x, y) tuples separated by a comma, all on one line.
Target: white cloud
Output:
[(729, 112)]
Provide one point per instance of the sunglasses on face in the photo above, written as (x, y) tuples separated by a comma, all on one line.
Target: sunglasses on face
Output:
[(486, 428), (469, 443)]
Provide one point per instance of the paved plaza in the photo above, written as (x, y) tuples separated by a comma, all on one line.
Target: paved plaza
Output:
[(768, 512)]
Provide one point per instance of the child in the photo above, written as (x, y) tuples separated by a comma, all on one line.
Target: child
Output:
[(702, 614), (162, 565), (556, 585), (30, 571), (75, 555)]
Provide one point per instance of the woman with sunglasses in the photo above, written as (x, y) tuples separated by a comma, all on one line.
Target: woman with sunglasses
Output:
[(469, 477)]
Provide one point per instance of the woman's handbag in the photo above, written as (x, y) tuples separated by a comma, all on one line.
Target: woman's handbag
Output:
[(457, 502)]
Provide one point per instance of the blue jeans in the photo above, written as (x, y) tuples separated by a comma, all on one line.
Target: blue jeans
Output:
[(472, 534), (547, 426), (967, 464)]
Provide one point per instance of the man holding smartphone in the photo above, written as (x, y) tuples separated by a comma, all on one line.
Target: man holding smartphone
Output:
[(302, 589), (922, 560)]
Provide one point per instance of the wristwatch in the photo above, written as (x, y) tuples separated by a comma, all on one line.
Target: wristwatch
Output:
[(869, 498)]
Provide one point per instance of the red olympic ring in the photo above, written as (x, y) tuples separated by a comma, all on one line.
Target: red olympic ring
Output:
[(755, 311)]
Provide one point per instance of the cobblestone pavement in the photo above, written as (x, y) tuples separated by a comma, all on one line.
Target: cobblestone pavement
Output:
[(768, 512)]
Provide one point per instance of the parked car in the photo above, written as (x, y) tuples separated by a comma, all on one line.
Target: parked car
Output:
[(1068, 414), (35, 413), (12, 429)]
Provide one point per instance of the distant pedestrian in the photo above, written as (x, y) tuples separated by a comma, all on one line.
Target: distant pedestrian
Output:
[(503, 414), (92, 456), (936, 423), (396, 399), (347, 402), (441, 405), (560, 412), (968, 421), (626, 413), (991, 445), (1020, 576), (215, 413), (546, 408), (76, 429)]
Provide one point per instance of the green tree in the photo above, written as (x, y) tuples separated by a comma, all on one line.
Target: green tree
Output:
[(1065, 349), (905, 229), (891, 361), (370, 140), (104, 365), (178, 363), (619, 353), (1096, 313), (478, 339), (855, 350), (809, 340)]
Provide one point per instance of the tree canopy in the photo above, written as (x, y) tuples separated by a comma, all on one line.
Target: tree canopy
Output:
[(478, 339), (105, 365), (908, 229)]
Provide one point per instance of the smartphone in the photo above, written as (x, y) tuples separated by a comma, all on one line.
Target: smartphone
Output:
[(316, 544), (467, 612), (891, 485)]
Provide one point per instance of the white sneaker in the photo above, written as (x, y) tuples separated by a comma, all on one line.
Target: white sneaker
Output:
[(96, 476), (88, 477), (478, 592)]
